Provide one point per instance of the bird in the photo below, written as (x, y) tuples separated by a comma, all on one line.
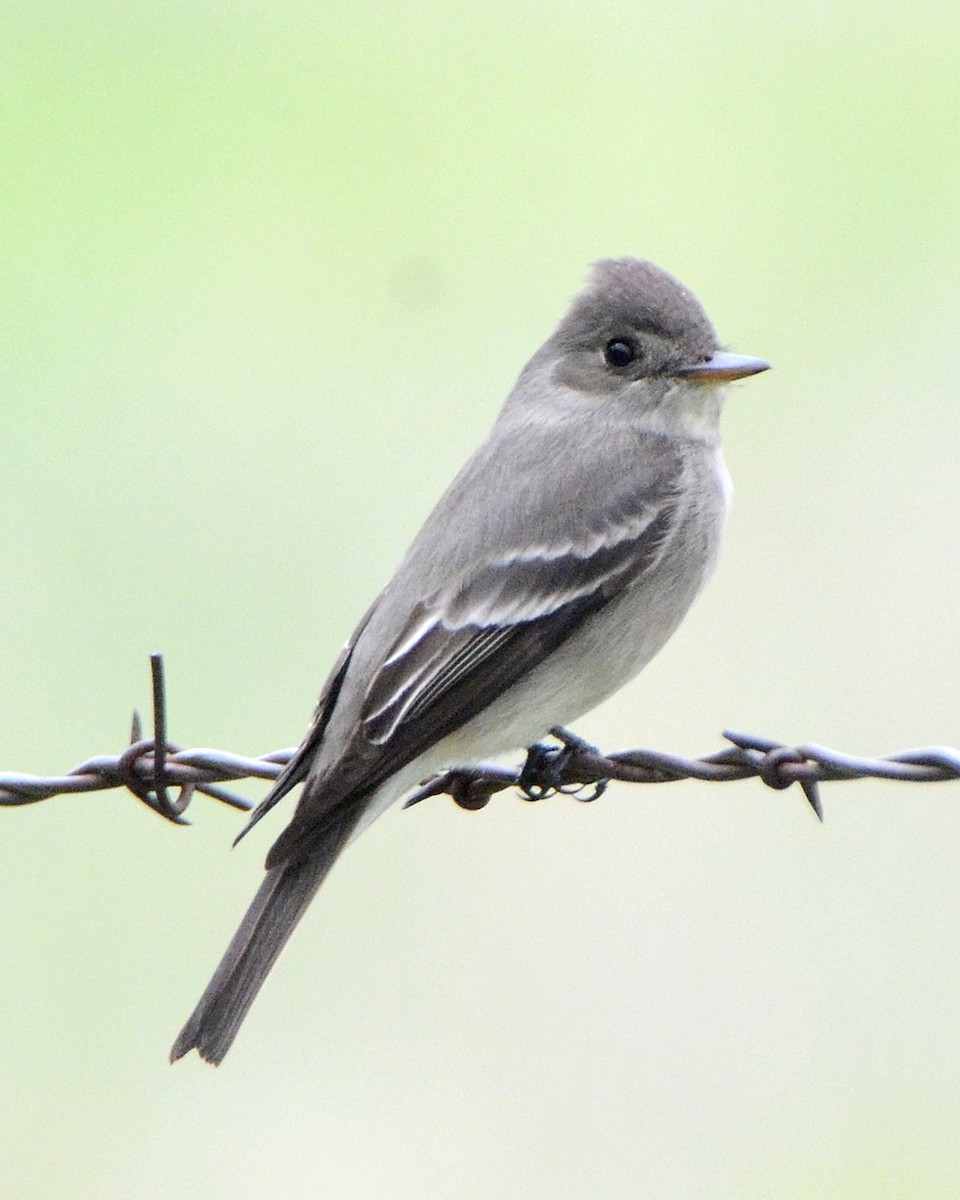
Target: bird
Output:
[(559, 560)]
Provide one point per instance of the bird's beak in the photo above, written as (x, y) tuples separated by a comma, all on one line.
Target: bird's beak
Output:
[(722, 367)]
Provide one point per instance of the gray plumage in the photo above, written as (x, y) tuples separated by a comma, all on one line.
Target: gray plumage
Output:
[(559, 560)]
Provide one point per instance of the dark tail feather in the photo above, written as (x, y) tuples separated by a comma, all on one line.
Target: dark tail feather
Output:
[(271, 918)]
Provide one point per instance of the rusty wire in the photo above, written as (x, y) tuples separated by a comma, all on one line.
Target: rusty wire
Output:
[(148, 767)]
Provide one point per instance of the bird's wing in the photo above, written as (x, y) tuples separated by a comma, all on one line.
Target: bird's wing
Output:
[(468, 643), (478, 635)]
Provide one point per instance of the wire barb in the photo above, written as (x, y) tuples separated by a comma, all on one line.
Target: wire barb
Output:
[(150, 767)]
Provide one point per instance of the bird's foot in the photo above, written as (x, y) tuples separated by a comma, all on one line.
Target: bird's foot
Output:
[(551, 770), (468, 787)]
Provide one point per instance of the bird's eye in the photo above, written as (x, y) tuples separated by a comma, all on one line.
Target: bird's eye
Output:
[(619, 352)]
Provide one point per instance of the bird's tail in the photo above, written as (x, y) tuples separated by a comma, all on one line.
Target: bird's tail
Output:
[(277, 907)]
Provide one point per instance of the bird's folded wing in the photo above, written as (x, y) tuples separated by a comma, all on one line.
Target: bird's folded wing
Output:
[(468, 644), (481, 633)]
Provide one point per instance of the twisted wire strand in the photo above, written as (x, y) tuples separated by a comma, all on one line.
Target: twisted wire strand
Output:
[(150, 767)]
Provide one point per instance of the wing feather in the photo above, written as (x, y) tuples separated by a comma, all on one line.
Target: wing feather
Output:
[(474, 637), (298, 767)]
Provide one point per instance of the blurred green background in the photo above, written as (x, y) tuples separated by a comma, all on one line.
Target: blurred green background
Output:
[(265, 277)]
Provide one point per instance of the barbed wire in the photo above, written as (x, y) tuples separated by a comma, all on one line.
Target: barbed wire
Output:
[(150, 768)]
